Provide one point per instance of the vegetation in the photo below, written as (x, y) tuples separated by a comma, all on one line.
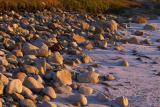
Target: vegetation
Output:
[(78, 5)]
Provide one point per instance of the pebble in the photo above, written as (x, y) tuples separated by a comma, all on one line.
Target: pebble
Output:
[(1, 88), (27, 103), (47, 104), (85, 90), (88, 77), (14, 86), (33, 84), (78, 98), (50, 92), (64, 77)]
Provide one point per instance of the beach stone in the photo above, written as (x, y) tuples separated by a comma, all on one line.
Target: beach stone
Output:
[(113, 25), (120, 48), (21, 76), (41, 65), (4, 79), (14, 86), (89, 46), (101, 97), (1, 105), (78, 98), (125, 63), (85, 25), (1, 87), (64, 90), (33, 84), (58, 58), (18, 53), (2, 68), (31, 69), (27, 103), (85, 90), (86, 59), (17, 97), (50, 92), (3, 61), (100, 37), (103, 44), (88, 77), (43, 50), (140, 20), (133, 40), (64, 77), (110, 77), (150, 27), (39, 78), (30, 49), (139, 33), (46, 98), (27, 93), (47, 104), (122, 101), (78, 39)]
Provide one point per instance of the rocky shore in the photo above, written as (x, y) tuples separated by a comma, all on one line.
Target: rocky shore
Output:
[(48, 58)]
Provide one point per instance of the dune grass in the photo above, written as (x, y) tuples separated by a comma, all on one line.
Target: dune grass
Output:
[(77, 5)]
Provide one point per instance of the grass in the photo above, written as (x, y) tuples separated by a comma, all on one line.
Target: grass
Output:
[(77, 5)]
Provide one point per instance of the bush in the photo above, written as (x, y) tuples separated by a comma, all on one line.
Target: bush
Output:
[(77, 5)]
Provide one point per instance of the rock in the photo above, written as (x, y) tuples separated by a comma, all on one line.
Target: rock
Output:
[(2, 69), (89, 46), (58, 58), (64, 90), (46, 98), (110, 77), (47, 104), (17, 97), (101, 97), (85, 25), (1, 105), (39, 79), (113, 25), (78, 39), (140, 20), (50, 92), (31, 69), (1, 87), (78, 98), (133, 40), (21, 76), (146, 41), (3, 61), (139, 33), (64, 77), (27, 93), (43, 48), (27, 103), (18, 53), (101, 37), (4, 79), (14, 86), (41, 65), (88, 77), (150, 27), (86, 59), (122, 102), (30, 49), (125, 63), (103, 44), (120, 48), (85, 90), (33, 84)]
